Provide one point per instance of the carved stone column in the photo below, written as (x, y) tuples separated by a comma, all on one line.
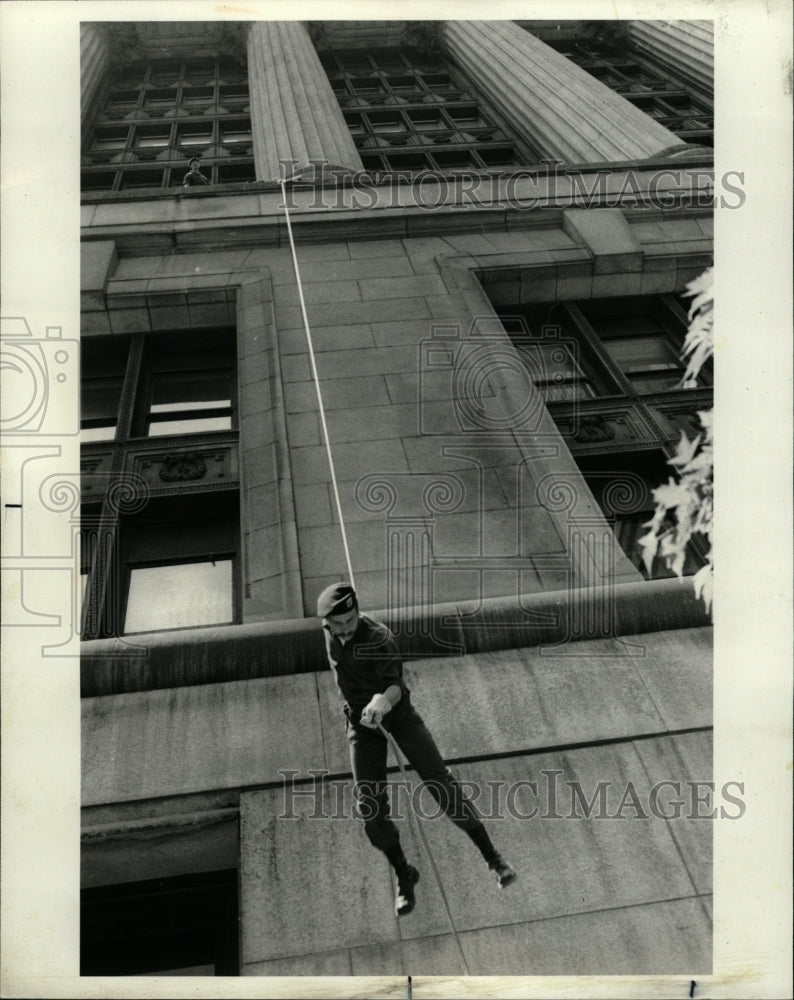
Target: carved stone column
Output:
[(294, 113), (94, 62), (550, 101), (686, 48)]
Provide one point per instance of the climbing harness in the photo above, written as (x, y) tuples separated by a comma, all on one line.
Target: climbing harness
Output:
[(390, 739)]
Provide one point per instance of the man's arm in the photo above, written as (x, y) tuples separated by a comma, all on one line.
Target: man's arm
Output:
[(394, 692)]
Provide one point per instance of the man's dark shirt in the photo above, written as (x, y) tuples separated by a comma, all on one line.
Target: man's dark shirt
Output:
[(367, 664), (194, 178)]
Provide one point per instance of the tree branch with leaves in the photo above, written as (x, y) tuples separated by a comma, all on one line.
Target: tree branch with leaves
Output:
[(685, 503)]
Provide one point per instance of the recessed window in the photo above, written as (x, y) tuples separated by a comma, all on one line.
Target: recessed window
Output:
[(179, 557), (201, 71), (616, 345), (391, 90), (149, 138), (646, 84), (453, 158), (109, 139), (236, 131), (622, 485), (194, 135), (190, 402), (131, 179), (199, 97), (155, 98), (235, 173), (609, 371), (103, 368), (185, 925), (426, 119), (159, 408), (386, 123), (123, 99)]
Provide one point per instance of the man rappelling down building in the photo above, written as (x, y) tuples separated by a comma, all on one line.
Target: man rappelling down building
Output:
[(366, 662)]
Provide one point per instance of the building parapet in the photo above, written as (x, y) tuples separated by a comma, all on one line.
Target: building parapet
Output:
[(270, 649)]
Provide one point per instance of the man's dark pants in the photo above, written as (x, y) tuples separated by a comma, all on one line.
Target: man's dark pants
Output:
[(368, 751)]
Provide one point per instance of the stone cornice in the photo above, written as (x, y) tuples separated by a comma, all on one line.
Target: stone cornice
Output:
[(254, 214), (270, 649)]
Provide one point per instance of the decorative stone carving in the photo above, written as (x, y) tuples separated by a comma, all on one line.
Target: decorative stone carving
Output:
[(183, 468), (592, 430)]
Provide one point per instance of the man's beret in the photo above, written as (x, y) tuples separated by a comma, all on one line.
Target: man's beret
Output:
[(337, 599)]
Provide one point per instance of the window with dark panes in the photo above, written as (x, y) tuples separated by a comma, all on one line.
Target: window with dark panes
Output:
[(646, 84), (159, 420), (642, 472), (610, 373), (186, 925), (409, 111), (601, 347), (156, 116)]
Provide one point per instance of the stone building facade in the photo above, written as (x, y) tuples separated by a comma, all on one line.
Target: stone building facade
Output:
[(494, 223)]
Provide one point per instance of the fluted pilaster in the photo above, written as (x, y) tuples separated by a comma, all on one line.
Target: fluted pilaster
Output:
[(94, 62), (686, 48), (294, 113), (550, 101)]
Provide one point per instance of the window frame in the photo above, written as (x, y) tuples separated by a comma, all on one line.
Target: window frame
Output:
[(620, 395), (106, 595), (143, 108), (608, 63), (595, 359), (403, 82)]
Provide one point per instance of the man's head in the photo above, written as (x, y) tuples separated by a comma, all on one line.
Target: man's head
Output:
[(194, 164), (338, 607)]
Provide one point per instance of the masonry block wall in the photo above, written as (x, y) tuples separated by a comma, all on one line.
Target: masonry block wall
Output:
[(433, 465), (622, 895)]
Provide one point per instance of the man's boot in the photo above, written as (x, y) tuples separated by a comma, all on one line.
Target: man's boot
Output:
[(505, 873), (404, 901)]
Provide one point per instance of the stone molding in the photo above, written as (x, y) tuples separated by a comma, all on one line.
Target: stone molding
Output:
[(269, 649)]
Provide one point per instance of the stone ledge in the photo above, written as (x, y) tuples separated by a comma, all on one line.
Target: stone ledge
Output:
[(270, 649)]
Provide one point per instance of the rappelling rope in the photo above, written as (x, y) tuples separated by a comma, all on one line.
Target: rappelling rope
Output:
[(316, 378), (428, 852), (389, 737)]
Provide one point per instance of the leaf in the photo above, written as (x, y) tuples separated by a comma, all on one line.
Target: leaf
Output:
[(649, 544), (703, 582), (669, 495), (684, 506), (685, 449)]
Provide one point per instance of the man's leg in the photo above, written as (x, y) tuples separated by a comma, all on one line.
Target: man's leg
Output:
[(414, 739), (368, 761)]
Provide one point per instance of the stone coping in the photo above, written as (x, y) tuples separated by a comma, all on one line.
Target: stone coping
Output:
[(187, 657)]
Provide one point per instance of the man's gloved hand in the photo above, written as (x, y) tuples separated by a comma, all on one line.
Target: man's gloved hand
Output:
[(373, 714)]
